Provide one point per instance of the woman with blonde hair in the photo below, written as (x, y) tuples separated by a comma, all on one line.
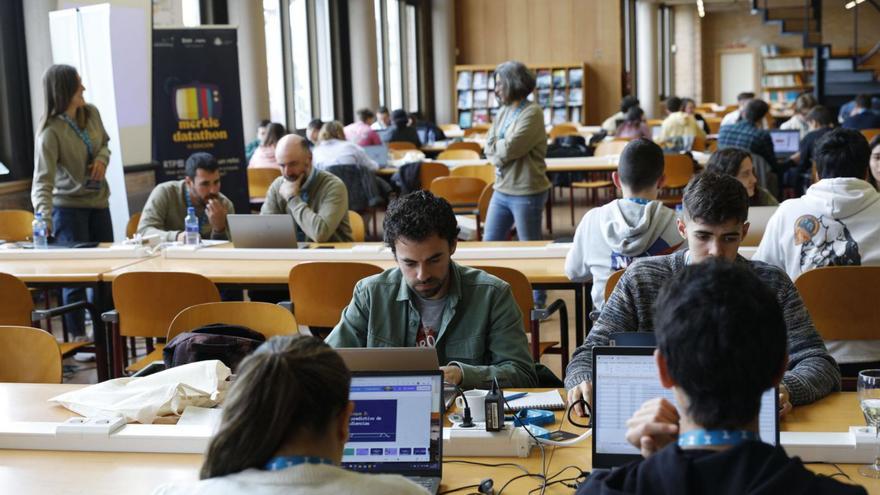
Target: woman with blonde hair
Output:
[(333, 149)]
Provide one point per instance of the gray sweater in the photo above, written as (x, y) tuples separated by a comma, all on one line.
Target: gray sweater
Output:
[(320, 209), (165, 213), (812, 372)]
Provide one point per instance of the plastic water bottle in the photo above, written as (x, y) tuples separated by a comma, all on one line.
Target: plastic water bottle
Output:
[(41, 232), (191, 238)]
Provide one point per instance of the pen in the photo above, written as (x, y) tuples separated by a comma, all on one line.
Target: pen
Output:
[(515, 396)]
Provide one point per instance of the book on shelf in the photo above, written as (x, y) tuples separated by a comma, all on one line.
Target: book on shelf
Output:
[(464, 119), (544, 97), (576, 78), (559, 97), (769, 50), (559, 116), (464, 80), (559, 78), (481, 99), (480, 80), (784, 64), (465, 100), (543, 79), (481, 116), (575, 96), (547, 116), (780, 81)]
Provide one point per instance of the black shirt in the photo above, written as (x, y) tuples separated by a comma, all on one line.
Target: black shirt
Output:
[(806, 146)]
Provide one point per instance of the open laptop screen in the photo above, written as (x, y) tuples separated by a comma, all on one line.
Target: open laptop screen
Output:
[(626, 377), (785, 142), (396, 423)]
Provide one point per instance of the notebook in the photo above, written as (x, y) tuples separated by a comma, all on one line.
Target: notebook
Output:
[(549, 400)]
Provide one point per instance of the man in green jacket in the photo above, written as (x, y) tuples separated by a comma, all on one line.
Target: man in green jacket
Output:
[(467, 315)]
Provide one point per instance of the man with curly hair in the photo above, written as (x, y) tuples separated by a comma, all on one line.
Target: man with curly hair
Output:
[(467, 315)]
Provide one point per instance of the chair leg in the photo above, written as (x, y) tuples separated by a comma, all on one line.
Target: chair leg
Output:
[(571, 202), (117, 343), (132, 349), (150, 345)]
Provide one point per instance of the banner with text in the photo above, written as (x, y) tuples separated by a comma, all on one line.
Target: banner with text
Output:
[(197, 105)]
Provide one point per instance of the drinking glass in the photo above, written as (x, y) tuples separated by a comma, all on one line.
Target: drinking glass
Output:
[(869, 400)]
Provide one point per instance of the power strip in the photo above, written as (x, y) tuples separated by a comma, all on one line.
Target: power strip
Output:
[(856, 446), (511, 441)]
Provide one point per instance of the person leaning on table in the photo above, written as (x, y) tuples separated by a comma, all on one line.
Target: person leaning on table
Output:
[(285, 422)]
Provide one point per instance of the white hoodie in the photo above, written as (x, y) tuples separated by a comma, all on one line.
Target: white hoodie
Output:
[(837, 222), (608, 238)]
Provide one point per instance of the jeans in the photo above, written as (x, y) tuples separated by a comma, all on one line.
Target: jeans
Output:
[(81, 225), (526, 212)]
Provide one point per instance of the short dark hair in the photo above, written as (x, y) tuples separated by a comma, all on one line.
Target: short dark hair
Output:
[(264, 123), (723, 336), (628, 102), (400, 118), (315, 124), (201, 160), (382, 109), (755, 110), (715, 199), (842, 153), (518, 80), (673, 104), (727, 161), (418, 215), (863, 101), (745, 95), (365, 114), (685, 101), (634, 114), (641, 164), (274, 133), (821, 115)]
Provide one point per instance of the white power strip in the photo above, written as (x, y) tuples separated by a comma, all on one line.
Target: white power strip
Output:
[(857, 446), (510, 441)]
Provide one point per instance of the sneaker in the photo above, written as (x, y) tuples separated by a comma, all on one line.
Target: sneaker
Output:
[(84, 357)]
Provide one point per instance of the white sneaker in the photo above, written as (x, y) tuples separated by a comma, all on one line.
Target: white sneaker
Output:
[(84, 357)]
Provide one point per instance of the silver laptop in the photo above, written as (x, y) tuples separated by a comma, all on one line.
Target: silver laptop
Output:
[(397, 425), (378, 153), (626, 377), (389, 358), (262, 231), (785, 143)]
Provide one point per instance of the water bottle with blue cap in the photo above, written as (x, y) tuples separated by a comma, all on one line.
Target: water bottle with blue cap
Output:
[(191, 238)]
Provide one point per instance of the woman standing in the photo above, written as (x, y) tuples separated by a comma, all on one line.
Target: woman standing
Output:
[(70, 161)]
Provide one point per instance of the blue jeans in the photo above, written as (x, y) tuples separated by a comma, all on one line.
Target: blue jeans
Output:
[(80, 225), (526, 212)]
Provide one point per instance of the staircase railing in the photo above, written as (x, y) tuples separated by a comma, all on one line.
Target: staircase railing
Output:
[(867, 56)]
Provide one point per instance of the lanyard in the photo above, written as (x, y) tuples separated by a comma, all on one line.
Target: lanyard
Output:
[(716, 438), (639, 201), (284, 462), (509, 118), (203, 217), (79, 132)]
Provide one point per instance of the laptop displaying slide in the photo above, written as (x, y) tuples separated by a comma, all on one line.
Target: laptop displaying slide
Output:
[(623, 379), (262, 231), (378, 153), (397, 425), (785, 143)]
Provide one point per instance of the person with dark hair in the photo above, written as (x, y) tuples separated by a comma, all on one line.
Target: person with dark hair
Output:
[(689, 106), (611, 237), (284, 425), (821, 121), (634, 126), (428, 300), (252, 146), (360, 132), (735, 116), (678, 127), (804, 103), (748, 135), (610, 124), (721, 344), (716, 209), (401, 129), (874, 177), (862, 116), (69, 186), (165, 210), (833, 224), (312, 131), (737, 162), (317, 200), (264, 157), (428, 131), (383, 119)]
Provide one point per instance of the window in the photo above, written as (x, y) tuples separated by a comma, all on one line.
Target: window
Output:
[(275, 61), (324, 58), (395, 74), (412, 60), (191, 13), (397, 27), (380, 50), (299, 52)]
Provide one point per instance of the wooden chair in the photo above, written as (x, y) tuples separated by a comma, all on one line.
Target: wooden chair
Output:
[(463, 193), (563, 130), (699, 144), (146, 304), (611, 283), (428, 171), (678, 170), (522, 293), (458, 155), (465, 145), (714, 124), (358, 230), (401, 145), (607, 148), (870, 133), (483, 208), (759, 217), (259, 180), (654, 122), (320, 291), (598, 181), (32, 356), (132, 226), (476, 132), (485, 172), (449, 128), (16, 225)]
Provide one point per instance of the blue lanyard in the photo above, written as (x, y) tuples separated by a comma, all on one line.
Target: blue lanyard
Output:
[(203, 217), (81, 133), (696, 438), (286, 461), (509, 118), (639, 201)]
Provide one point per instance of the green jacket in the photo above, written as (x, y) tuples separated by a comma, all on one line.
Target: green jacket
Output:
[(481, 330), (320, 210), (519, 155), (165, 213)]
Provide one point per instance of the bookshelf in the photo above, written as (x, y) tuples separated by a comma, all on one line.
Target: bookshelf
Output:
[(785, 75), (560, 91)]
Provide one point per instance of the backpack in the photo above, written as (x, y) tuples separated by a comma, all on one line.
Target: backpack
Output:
[(227, 343)]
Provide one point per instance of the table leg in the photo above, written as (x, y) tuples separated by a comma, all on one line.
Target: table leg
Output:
[(103, 354)]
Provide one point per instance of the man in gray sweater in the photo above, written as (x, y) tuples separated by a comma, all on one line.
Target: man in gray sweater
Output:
[(714, 224)]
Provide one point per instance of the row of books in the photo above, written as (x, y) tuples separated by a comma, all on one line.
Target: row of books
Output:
[(545, 79), (780, 81), (787, 64), (552, 116), (479, 99)]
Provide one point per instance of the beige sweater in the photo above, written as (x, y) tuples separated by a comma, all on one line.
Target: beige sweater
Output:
[(323, 215), (519, 155), (61, 166), (165, 213)]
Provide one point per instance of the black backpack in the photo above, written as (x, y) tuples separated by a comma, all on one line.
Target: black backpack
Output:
[(227, 343)]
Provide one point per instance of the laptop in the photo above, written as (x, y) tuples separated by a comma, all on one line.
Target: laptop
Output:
[(397, 425), (656, 130), (626, 377), (390, 358), (262, 231), (785, 143), (378, 153)]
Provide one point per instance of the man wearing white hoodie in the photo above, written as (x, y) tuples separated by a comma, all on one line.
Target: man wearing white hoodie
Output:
[(610, 237), (834, 223)]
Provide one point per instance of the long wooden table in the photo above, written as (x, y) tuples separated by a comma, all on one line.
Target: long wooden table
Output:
[(57, 472)]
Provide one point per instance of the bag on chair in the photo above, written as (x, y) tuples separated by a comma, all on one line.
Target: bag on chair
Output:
[(227, 343)]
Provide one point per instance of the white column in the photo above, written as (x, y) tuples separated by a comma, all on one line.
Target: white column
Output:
[(39, 51), (364, 64), (647, 58), (443, 40), (248, 17)]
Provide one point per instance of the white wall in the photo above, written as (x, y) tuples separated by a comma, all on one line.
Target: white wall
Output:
[(247, 16), (443, 39)]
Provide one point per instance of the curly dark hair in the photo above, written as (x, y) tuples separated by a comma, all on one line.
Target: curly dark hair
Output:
[(418, 215)]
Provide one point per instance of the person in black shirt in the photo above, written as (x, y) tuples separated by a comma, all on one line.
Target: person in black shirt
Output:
[(401, 130), (863, 116), (720, 345), (821, 120)]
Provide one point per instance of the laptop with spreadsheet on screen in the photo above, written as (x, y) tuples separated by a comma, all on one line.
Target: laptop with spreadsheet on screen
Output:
[(397, 425), (626, 377)]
